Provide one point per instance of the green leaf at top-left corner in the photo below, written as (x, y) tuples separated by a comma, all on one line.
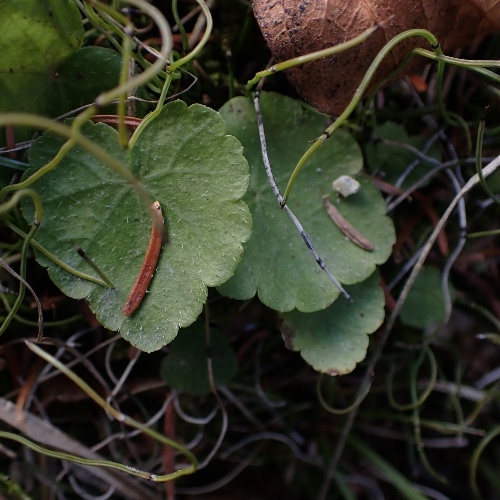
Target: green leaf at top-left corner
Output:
[(83, 76), (37, 35), (186, 368), (186, 161)]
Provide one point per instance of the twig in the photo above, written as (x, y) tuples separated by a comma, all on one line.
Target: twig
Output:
[(346, 227), (282, 201), (29, 287), (35, 428), (344, 434)]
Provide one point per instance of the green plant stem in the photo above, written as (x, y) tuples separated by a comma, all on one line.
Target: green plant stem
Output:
[(416, 401), (480, 310), (361, 394), (437, 55), (73, 458), (391, 321), (21, 280), (21, 193), (22, 272), (122, 100), (154, 114), (450, 118), (390, 473), (208, 31), (479, 155), (95, 267), (57, 261), (101, 23), (172, 68), (77, 138), (483, 234), (363, 86), (47, 324), (119, 417), (63, 151), (477, 66), (475, 459), (157, 66), (180, 26), (489, 396), (313, 56)]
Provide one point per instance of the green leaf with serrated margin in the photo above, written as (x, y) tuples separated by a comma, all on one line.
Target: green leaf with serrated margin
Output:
[(198, 173), (333, 341), (277, 264)]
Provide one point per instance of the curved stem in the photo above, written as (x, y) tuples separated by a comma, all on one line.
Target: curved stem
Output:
[(495, 432), (363, 86), (361, 394), (313, 56), (118, 416), (14, 200), (75, 137), (57, 261), (183, 60), (391, 321), (24, 255), (471, 64), (156, 67), (479, 155), (416, 402), (169, 76)]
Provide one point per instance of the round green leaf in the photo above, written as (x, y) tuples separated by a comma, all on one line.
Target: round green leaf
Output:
[(425, 305), (36, 36), (277, 264), (186, 367), (197, 173), (83, 76), (391, 159), (333, 341)]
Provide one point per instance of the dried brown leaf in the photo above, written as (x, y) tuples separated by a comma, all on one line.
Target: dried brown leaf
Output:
[(297, 27)]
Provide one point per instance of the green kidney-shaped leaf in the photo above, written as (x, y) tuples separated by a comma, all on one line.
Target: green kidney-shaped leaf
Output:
[(197, 173), (186, 369), (277, 264), (333, 341), (82, 76), (36, 36), (391, 159), (425, 303)]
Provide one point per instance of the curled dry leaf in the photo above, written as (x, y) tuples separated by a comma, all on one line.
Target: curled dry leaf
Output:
[(297, 27)]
